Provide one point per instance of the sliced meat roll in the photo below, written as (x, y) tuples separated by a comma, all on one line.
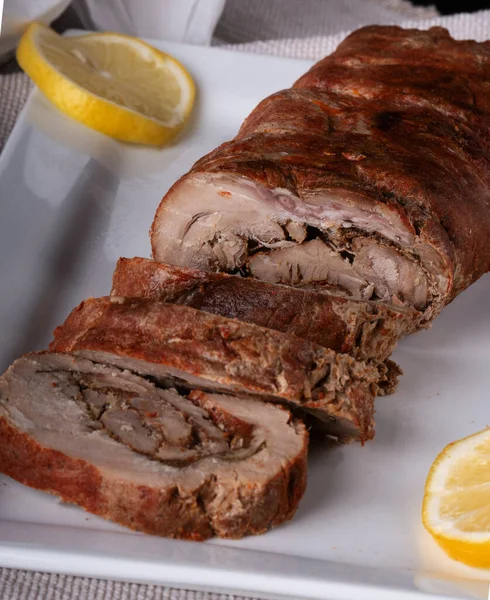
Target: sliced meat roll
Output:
[(371, 176), (153, 460), (366, 330), (181, 346)]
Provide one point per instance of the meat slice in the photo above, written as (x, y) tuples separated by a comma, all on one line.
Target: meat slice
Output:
[(366, 330), (180, 346), (371, 174), (154, 460)]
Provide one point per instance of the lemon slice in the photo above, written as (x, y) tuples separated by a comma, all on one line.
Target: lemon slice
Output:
[(456, 507), (113, 83)]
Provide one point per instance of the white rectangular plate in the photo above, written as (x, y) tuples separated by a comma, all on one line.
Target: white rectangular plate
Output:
[(71, 203)]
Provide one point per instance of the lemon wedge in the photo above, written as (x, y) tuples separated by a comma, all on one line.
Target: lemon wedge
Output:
[(113, 83), (456, 507)]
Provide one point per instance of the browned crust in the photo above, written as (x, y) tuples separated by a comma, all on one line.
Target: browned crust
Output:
[(158, 511), (401, 117), (363, 329), (390, 372), (225, 352)]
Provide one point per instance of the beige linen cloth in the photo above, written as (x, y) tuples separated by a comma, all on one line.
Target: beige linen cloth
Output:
[(292, 28)]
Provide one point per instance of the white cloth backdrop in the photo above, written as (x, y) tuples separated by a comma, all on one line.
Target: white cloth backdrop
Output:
[(292, 28)]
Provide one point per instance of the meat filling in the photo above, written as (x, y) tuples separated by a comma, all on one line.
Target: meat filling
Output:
[(164, 425), (333, 243), (368, 271)]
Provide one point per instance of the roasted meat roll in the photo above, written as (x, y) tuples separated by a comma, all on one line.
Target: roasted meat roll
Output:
[(370, 176), (184, 347), (186, 466), (366, 330)]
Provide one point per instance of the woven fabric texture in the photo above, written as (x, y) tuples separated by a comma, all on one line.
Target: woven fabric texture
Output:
[(14, 89), (24, 585)]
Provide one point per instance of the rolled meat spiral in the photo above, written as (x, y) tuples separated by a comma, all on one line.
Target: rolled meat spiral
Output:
[(370, 177)]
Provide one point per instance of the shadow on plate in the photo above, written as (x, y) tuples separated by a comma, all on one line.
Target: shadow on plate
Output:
[(80, 227)]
